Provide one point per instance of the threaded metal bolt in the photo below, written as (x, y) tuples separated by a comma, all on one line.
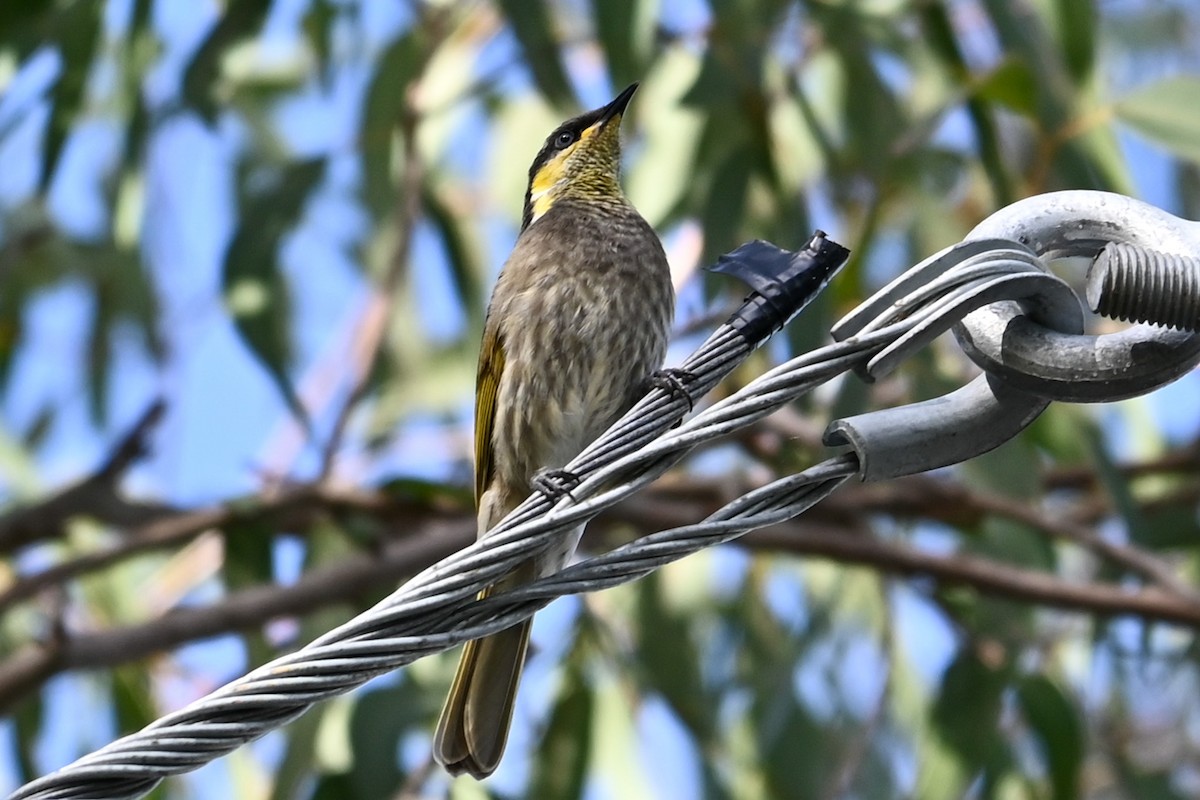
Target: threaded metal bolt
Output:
[(1131, 283)]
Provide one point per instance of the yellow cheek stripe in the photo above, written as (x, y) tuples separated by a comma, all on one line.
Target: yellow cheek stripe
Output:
[(541, 195), (551, 172), (541, 204)]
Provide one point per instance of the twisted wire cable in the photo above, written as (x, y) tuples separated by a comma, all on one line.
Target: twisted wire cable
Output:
[(437, 609)]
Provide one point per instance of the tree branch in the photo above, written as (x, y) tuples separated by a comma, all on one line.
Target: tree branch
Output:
[(1185, 460), (95, 496), (839, 529), (982, 574), (351, 579), (294, 507), (956, 504)]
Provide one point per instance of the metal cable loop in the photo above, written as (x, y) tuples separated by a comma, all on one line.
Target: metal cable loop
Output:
[(437, 609)]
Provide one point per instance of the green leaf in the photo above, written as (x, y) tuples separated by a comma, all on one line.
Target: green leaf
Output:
[(797, 754), (295, 769), (1170, 527), (242, 19), (27, 717), (940, 34), (1011, 85), (133, 699), (1077, 36), (381, 719), (966, 713), (248, 554), (99, 356), (399, 66), (1150, 785), (670, 133), (532, 25), (1012, 469), (873, 117), (1187, 187), (19, 23), (335, 787), (1056, 724), (1167, 112), (669, 659), (563, 753), (1093, 160), (1023, 34), (256, 293), (465, 261), (77, 30), (318, 27), (34, 436), (625, 29), (725, 211), (120, 293), (1116, 486)]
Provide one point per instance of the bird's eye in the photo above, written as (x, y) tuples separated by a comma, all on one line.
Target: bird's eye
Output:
[(563, 139)]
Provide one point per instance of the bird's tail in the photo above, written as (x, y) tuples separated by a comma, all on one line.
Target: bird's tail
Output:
[(474, 726)]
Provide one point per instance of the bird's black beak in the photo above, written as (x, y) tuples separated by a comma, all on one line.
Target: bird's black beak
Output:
[(617, 107)]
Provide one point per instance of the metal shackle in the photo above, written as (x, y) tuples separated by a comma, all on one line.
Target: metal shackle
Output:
[(1072, 366)]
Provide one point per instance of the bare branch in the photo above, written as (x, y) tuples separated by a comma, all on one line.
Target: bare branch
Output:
[(351, 579), (1185, 460), (982, 574), (291, 508), (358, 575), (838, 528), (956, 504), (95, 496)]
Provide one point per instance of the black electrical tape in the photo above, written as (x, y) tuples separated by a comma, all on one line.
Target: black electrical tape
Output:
[(784, 282)]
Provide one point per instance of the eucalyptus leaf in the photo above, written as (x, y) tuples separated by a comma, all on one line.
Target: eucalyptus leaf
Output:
[(532, 23), (1167, 112), (256, 292), (565, 748), (242, 19), (1060, 734)]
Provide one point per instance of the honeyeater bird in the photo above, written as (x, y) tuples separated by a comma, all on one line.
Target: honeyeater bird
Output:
[(578, 322)]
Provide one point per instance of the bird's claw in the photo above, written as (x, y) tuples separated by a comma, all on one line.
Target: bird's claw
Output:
[(673, 380), (555, 483)]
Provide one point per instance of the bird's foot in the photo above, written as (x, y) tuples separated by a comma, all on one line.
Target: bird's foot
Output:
[(673, 380), (555, 483)]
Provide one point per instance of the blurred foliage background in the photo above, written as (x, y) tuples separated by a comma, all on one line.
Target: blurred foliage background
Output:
[(245, 251)]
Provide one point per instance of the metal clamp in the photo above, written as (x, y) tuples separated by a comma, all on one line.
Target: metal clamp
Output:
[(1024, 328), (968, 422), (933, 297), (963, 277), (1067, 365)]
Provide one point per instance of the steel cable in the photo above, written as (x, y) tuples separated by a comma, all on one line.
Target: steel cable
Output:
[(437, 609)]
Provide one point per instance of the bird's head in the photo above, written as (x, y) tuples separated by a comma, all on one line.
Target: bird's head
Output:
[(581, 158)]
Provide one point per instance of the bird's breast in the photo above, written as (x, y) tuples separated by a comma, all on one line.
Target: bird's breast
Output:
[(584, 319)]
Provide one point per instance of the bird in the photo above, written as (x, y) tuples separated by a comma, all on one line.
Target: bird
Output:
[(576, 328)]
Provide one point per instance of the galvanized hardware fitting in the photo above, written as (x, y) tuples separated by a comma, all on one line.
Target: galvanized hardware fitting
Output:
[(985, 413), (962, 278), (1131, 283), (1063, 364), (1024, 326), (968, 422)]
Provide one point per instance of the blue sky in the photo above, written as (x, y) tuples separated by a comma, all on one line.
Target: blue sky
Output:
[(226, 423)]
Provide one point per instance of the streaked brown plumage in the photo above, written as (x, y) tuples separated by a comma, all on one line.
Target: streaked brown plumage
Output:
[(579, 318)]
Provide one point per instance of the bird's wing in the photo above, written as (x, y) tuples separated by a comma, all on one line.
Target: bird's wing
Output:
[(487, 385)]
